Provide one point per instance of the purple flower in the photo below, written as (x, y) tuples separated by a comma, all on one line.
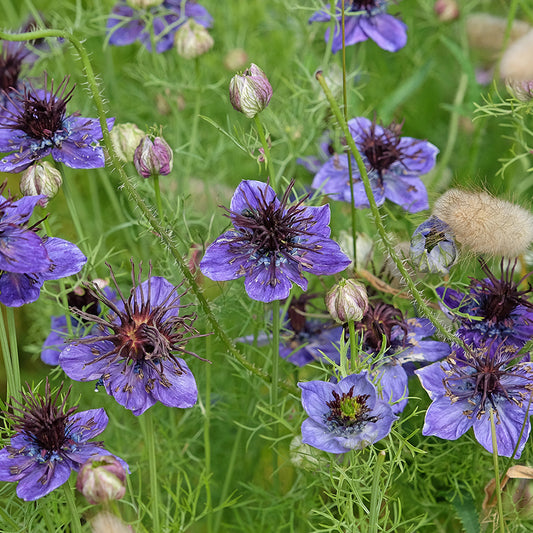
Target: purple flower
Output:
[(364, 19), (35, 125), (26, 259), (468, 385), (13, 57), (133, 352), (493, 309), (393, 163), (127, 24), (395, 343), (50, 441), (273, 243), (344, 416)]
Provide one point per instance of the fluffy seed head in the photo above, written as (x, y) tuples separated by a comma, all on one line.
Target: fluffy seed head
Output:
[(486, 224)]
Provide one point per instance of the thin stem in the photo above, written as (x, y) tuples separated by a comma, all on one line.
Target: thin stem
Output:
[(149, 439), (353, 347), (12, 377), (264, 143), (72, 209), (350, 170), (207, 441), (497, 486), (375, 496), (157, 193), (72, 509), (385, 238), (12, 333), (274, 384)]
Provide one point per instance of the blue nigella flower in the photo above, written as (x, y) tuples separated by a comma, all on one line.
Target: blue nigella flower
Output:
[(126, 24), (344, 416), (493, 309), (364, 19), (26, 259), (133, 351), (35, 124), (394, 165), (433, 247), (468, 385), (395, 345), (273, 243), (50, 441)]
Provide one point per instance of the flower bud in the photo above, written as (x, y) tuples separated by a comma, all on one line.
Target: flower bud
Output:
[(236, 59), (126, 137), (144, 4), (516, 60), (153, 158), (347, 301), (105, 522), (192, 40), (41, 178), (250, 91), (433, 247), (101, 479), (521, 90), (446, 10)]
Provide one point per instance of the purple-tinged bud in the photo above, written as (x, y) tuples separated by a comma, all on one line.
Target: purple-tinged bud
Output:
[(41, 178), (153, 158), (347, 300), (250, 91), (192, 40), (446, 10), (433, 247), (144, 4), (521, 90), (101, 479), (126, 137)]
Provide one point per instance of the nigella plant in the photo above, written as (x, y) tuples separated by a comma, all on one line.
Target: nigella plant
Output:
[(138, 19), (35, 124), (396, 344), (13, 57), (344, 416), (273, 243), (394, 165), (26, 259), (133, 352), (468, 385), (493, 309), (50, 441), (364, 19)]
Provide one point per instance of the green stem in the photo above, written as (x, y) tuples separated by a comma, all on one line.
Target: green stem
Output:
[(207, 441), (149, 439), (268, 158), (350, 170), (10, 355), (497, 486), (355, 360), (375, 496), (157, 193), (385, 238), (164, 233), (274, 384), (72, 209), (72, 509)]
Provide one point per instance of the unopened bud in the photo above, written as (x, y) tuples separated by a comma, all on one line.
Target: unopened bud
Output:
[(101, 479), (236, 59), (250, 92), (433, 247), (41, 178), (347, 300), (144, 4), (126, 137), (516, 61), (192, 40), (153, 158), (521, 90), (446, 10)]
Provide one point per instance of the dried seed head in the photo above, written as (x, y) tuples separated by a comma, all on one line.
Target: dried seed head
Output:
[(486, 224)]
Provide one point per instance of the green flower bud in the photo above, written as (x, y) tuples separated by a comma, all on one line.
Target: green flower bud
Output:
[(126, 137), (41, 178), (347, 300), (192, 40), (250, 92)]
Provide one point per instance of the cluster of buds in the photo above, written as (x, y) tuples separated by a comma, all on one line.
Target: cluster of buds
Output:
[(250, 92), (153, 157)]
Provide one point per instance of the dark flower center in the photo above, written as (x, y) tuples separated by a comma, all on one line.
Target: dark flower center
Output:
[(272, 234), (141, 333), (367, 5), (42, 117), (377, 324), (498, 298), (433, 238), (43, 419), (382, 149), (10, 66), (347, 410)]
